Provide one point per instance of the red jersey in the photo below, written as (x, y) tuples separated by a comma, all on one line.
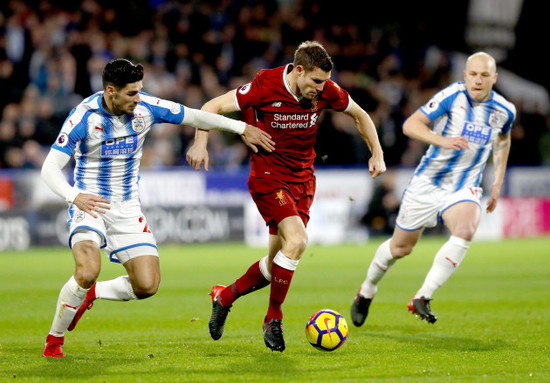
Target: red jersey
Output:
[(291, 121)]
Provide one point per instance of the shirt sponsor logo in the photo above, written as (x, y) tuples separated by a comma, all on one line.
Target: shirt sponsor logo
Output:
[(122, 146), (476, 134), (293, 121)]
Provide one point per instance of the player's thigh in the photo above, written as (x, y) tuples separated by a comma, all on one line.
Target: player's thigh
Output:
[(462, 211), (87, 254), (462, 219), (274, 246), (144, 274), (403, 241), (87, 259), (292, 232)]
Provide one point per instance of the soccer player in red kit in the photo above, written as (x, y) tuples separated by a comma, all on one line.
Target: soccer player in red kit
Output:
[(287, 102)]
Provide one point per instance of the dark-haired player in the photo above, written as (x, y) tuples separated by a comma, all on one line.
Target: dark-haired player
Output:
[(105, 134)]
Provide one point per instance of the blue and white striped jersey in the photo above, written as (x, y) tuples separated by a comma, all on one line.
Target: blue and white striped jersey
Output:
[(454, 114), (108, 148)]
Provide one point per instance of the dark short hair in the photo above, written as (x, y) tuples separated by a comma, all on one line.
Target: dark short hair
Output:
[(120, 72), (311, 55)]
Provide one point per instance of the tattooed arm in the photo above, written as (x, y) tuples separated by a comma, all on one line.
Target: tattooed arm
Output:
[(501, 149)]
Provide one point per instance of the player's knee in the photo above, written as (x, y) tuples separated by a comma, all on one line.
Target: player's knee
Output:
[(400, 251), (146, 289), (86, 276), (295, 246), (143, 293), (87, 263), (465, 232), (301, 244)]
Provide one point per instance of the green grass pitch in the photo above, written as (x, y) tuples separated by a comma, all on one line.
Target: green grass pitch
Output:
[(493, 319)]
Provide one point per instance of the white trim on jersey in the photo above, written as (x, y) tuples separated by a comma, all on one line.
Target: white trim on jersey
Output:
[(287, 84)]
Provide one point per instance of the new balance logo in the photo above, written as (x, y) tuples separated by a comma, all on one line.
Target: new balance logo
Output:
[(277, 104)]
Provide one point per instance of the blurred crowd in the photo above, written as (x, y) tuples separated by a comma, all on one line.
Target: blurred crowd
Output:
[(52, 54)]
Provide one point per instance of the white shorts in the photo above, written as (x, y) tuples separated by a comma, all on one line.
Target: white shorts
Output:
[(423, 203), (122, 230)]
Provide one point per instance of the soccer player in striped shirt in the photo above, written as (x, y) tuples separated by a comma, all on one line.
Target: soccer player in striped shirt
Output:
[(105, 134), (470, 120), (286, 102)]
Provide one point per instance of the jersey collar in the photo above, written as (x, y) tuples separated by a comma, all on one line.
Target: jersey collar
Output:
[(287, 70)]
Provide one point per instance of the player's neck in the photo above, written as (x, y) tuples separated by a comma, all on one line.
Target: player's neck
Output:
[(108, 106)]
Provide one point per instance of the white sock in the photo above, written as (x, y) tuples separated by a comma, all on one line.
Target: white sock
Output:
[(285, 262), (446, 261), (380, 264), (70, 299), (118, 289), (263, 268)]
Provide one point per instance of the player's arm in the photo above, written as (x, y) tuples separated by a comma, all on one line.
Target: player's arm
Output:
[(251, 135), (197, 154), (52, 174), (501, 150), (417, 126), (367, 130)]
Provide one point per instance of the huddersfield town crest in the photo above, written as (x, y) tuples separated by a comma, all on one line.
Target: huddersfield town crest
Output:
[(138, 124), (79, 216), (496, 119)]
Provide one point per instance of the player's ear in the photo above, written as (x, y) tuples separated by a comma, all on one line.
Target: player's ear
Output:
[(110, 90)]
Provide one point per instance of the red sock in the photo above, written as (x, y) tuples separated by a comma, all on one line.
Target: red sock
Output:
[(280, 283), (251, 281)]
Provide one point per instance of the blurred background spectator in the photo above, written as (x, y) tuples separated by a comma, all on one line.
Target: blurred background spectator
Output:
[(392, 58)]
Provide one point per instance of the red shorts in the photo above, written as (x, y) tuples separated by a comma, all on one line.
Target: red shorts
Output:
[(278, 199)]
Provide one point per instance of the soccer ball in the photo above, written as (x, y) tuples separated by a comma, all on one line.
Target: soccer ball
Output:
[(326, 330)]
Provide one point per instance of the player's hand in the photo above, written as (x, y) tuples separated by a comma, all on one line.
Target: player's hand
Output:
[(377, 166), (253, 136), (456, 143), (91, 203), (197, 155), (492, 202)]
